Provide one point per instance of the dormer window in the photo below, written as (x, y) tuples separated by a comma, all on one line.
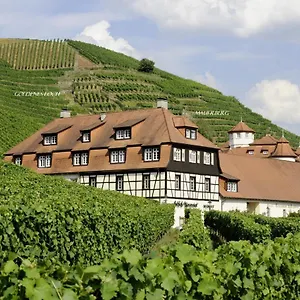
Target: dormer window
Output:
[(86, 137), (80, 159), (265, 152), (151, 154), (117, 156), (50, 140), (190, 133), (18, 160), (123, 134), (44, 161), (231, 186), (250, 152)]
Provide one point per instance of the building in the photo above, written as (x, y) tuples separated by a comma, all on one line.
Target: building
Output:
[(150, 153)]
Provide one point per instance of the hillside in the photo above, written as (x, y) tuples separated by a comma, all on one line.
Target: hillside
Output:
[(92, 79)]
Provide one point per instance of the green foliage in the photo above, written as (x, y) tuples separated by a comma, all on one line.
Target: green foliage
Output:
[(43, 217), (294, 214), (234, 226), (146, 65), (238, 270), (35, 54), (194, 233)]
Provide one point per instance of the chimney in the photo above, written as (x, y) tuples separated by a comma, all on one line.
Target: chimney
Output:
[(162, 103), (102, 117), (65, 113)]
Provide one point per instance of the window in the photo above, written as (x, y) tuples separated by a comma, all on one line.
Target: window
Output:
[(123, 134), (207, 185), (191, 134), (44, 161), (207, 157), (80, 159), (50, 140), (86, 137), (284, 213), (119, 183), (231, 186), (177, 154), (18, 160), (146, 182), (238, 135), (247, 134), (198, 157), (250, 152), (192, 156), (177, 182), (117, 156), (182, 154), (268, 211), (192, 183), (151, 154), (265, 152), (93, 181)]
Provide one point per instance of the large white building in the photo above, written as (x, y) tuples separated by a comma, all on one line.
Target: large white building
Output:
[(150, 153)]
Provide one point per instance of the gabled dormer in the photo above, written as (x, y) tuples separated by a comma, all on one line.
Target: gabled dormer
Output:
[(187, 128), (123, 131), (50, 136), (230, 183)]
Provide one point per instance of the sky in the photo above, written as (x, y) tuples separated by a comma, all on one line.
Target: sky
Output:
[(245, 48)]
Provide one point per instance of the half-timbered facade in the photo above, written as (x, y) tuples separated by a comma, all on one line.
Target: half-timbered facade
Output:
[(149, 153)]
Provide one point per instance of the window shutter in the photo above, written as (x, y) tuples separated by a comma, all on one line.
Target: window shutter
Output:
[(174, 153), (212, 159), (182, 154)]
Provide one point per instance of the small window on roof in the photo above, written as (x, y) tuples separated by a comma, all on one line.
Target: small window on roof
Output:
[(86, 137), (190, 133), (50, 139), (123, 134), (265, 152), (250, 152)]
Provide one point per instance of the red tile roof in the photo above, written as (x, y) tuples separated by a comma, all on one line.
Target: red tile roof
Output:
[(241, 127)]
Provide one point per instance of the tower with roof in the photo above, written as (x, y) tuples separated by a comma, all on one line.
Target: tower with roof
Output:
[(241, 135), (283, 151)]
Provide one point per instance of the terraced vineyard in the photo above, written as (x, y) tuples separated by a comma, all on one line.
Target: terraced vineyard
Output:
[(35, 54), (94, 79)]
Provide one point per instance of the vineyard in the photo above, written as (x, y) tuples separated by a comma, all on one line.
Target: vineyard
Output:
[(110, 82), (37, 55)]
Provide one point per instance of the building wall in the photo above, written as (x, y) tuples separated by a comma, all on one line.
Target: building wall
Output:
[(268, 208), (242, 141), (285, 158)]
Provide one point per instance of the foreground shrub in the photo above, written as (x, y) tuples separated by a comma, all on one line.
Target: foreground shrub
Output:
[(237, 270), (194, 233), (234, 226), (42, 217)]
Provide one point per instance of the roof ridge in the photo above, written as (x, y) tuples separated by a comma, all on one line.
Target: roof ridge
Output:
[(163, 111)]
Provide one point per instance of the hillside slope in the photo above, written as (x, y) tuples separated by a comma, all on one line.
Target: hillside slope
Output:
[(93, 79)]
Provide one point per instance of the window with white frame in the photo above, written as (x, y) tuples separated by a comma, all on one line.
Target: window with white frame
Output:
[(177, 154), (206, 158), (151, 154), (250, 152), (207, 185), (146, 182), (198, 157), (80, 159), (50, 140), (231, 186), (93, 181), (119, 182), (265, 152), (44, 161), (190, 133), (177, 182), (117, 156), (193, 183), (123, 134), (86, 137), (192, 156), (18, 160)]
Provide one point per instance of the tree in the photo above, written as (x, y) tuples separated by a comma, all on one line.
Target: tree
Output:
[(146, 65)]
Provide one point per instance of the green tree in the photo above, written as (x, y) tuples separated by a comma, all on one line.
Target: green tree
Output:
[(146, 65)]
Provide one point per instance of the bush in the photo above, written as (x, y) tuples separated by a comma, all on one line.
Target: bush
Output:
[(194, 233), (42, 217), (237, 270), (146, 65), (235, 226)]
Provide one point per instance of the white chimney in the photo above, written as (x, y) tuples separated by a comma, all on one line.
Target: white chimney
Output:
[(102, 117), (162, 103), (65, 113)]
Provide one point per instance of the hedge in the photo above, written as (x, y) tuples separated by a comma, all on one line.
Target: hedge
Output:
[(42, 217), (235, 226), (193, 232)]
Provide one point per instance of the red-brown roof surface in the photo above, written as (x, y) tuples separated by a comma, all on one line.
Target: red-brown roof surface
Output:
[(265, 179), (241, 127), (283, 149), (266, 140), (155, 127)]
